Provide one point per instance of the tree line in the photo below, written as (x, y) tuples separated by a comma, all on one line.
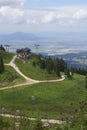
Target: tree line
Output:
[(51, 65), (57, 65), (80, 71)]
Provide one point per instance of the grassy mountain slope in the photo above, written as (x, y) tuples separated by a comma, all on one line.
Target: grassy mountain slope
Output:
[(10, 77), (50, 98), (29, 70)]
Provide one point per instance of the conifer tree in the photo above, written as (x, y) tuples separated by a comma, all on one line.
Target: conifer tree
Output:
[(49, 65), (1, 64)]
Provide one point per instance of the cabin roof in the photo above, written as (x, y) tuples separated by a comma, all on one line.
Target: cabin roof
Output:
[(23, 50)]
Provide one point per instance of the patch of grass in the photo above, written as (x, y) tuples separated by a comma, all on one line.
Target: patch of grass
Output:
[(10, 77), (50, 98), (7, 56), (29, 70)]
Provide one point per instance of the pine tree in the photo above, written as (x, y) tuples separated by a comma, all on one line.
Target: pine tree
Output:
[(49, 65), (1, 64), (68, 73), (57, 68)]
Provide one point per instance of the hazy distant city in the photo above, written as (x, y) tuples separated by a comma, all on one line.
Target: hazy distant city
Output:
[(51, 47), (59, 43)]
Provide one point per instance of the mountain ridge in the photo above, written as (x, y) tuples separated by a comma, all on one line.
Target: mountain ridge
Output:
[(19, 36)]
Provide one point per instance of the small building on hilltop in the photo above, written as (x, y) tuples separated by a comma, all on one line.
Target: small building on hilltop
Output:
[(24, 53)]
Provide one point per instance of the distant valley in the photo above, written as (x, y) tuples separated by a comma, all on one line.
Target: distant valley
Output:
[(76, 60), (71, 48)]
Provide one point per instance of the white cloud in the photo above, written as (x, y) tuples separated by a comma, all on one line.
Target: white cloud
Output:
[(49, 17), (10, 15), (54, 16), (58, 18), (31, 21), (80, 14), (60, 15)]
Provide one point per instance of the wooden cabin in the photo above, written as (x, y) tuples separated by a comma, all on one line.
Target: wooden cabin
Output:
[(24, 53)]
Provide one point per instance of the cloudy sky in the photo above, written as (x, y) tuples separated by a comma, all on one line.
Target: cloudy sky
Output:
[(43, 16)]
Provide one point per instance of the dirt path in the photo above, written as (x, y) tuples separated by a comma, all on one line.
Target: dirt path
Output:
[(12, 64), (48, 121), (28, 80)]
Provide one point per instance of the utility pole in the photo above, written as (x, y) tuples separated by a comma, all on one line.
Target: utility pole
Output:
[(36, 47)]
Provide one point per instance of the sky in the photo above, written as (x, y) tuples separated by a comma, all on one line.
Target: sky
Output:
[(35, 16)]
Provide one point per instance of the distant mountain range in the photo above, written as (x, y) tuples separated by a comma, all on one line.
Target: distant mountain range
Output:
[(18, 36), (77, 38)]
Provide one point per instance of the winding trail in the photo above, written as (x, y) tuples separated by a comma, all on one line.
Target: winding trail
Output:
[(28, 80), (12, 64)]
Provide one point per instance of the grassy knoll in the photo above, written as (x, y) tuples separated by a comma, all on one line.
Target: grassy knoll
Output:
[(34, 72), (10, 77), (7, 56), (50, 98)]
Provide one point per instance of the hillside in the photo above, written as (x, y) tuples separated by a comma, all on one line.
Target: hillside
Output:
[(51, 100), (40, 68), (7, 56)]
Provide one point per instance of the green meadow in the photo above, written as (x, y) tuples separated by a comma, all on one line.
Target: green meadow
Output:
[(51, 99)]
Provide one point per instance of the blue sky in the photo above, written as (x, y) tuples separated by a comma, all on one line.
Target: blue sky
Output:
[(37, 16), (46, 3)]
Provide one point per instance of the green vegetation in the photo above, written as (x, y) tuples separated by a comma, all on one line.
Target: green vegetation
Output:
[(50, 98), (77, 121), (24, 124), (34, 72), (39, 68), (10, 77), (7, 56), (64, 100), (1, 64), (86, 81)]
